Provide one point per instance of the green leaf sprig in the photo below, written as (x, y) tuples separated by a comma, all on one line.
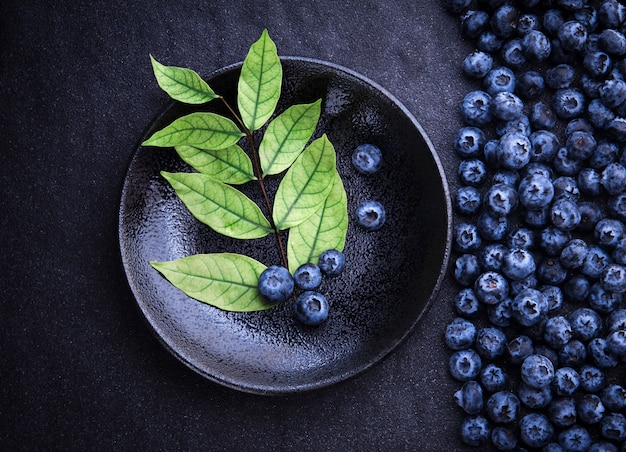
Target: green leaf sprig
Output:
[(310, 202)]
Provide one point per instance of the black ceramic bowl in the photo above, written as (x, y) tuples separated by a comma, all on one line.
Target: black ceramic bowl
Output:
[(391, 275)]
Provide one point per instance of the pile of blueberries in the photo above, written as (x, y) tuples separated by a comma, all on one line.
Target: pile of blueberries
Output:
[(538, 342), (310, 307)]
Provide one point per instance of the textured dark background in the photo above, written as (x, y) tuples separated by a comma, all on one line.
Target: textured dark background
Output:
[(79, 368)]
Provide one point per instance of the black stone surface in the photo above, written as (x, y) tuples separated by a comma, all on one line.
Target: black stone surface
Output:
[(79, 367)]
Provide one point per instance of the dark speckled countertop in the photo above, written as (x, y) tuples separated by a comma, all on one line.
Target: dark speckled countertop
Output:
[(79, 368)]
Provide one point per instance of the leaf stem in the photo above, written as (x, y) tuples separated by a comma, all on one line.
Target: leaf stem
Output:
[(259, 175)]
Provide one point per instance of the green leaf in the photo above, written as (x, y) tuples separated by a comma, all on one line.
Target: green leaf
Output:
[(221, 207), (202, 130), (231, 165), (227, 281), (182, 84), (305, 185), (259, 83), (325, 229), (286, 137)]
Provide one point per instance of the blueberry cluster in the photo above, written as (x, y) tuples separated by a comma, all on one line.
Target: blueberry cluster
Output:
[(310, 307), (539, 341)]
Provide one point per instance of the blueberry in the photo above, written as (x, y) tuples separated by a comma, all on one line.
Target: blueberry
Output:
[(566, 187), (613, 278), (367, 158), (597, 64), (490, 256), (529, 307), (613, 95), (580, 145), (467, 200), (534, 398), (470, 397), (490, 154), (592, 379), (545, 145), (523, 238), (276, 284), (614, 178), (573, 354), (503, 438), (616, 129), (530, 85), (596, 260), (590, 86), (535, 430), (491, 288), (602, 300), (507, 177), (514, 151), (371, 215), (535, 192), (553, 240), (616, 343), (517, 264), (554, 295), (490, 342), (536, 45), (499, 79), (512, 53), (590, 182), (477, 64), (469, 142), (466, 303), (558, 332), (542, 116), (503, 407), (616, 206), (562, 412), (611, 13), (575, 438), (568, 103), (465, 365), (504, 21), (466, 269), (590, 214), (520, 124), (476, 108), (472, 172), (473, 22), (573, 255), (493, 378), (528, 22), (613, 397), (616, 320), (565, 165), (606, 152), (577, 288), (501, 313), (586, 323), (488, 41), (460, 334), (550, 271), (612, 42), (608, 232), (573, 35), (311, 308), (559, 76), (331, 262), (537, 371), (475, 430), (565, 214), (600, 353), (613, 427), (519, 348), (590, 409), (506, 106), (308, 276), (566, 381), (552, 20), (500, 200)]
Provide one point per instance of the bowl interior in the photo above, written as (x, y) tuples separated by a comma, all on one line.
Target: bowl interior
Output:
[(391, 275)]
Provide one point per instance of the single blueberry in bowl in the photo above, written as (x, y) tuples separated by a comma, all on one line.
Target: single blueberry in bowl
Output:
[(367, 158), (311, 308), (276, 284), (371, 215)]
